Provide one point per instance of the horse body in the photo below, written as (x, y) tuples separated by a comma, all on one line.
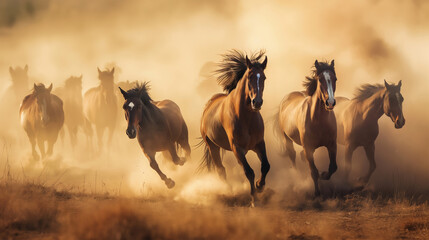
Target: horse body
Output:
[(232, 121), (42, 117), (159, 126), (307, 120), (358, 120), (100, 106)]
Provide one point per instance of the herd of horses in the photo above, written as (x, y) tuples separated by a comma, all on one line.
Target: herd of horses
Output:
[(230, 121)]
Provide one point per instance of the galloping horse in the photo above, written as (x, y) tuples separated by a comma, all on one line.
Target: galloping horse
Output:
[(358, 119), (100, 106), (308, 120), (232, 121), (42, 117), (159, 126), (71, 94)]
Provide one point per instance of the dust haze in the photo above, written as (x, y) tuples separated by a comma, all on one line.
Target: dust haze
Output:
[(173, 44)]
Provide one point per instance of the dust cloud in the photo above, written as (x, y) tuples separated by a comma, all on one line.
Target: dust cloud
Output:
[(173, 44)]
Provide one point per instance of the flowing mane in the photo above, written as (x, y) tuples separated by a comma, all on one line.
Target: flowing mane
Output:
[(141, 89), (310, 82), (233, 66), (367, 90)]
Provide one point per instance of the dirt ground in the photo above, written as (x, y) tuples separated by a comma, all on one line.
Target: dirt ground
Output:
[(31, 211)]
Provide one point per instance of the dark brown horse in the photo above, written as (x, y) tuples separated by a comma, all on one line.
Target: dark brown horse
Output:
[(71, 94), (100, 106), (358, 120), (159, 126), (232, 121), (42, 117), (308, 120)]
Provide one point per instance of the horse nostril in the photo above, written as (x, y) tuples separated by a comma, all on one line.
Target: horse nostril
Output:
[(335, 102), (253, 101), (326, 102)]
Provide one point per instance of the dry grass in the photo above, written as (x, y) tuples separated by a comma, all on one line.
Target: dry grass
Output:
[(29, 211)]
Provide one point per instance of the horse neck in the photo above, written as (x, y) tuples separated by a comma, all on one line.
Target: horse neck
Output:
[(318, 109), (150, 114), (372, 107), (240, 97)]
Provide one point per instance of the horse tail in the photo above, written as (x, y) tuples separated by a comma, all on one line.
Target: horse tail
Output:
[(277, 130), (206, 160)]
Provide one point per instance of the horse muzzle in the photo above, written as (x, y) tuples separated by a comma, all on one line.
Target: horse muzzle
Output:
[(257, 104), (330, 104), (399, 123), (131, 133)]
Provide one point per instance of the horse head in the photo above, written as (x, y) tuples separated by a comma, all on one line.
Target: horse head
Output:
[(43, 100), (392, 105), (255, 82), (327, 81)]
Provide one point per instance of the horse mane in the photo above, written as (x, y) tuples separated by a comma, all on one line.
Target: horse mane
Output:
[(367, 90), (233, 66), (310, 82), (141, 90)]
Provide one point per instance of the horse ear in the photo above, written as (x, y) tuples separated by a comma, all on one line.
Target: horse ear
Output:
[(26, 68), (99, 72), (248, 63), (316, 64), (399, 84), (34, 86), (11, 70), (112, 71), (332, 63), (80, 76), (386, 84), (125, 94), (264, 63), (50, 88)]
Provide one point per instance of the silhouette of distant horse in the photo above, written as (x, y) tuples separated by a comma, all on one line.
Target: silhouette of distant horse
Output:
[(159, 126), (357, 120), (100, 106), (42, 117), (232, 121), (308, 120), (71, 94)]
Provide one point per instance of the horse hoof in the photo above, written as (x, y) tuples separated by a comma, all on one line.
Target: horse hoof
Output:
[(325, 176), (259, 186), (170, 183)]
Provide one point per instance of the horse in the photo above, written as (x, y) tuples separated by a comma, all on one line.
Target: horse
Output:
[(71, 94), (232, 121), (42, 117), (357, 120), (100, 106), (307, 119), (158, 126), (13, 96)]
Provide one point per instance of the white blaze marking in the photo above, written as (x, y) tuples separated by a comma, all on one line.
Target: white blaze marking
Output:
[(331, 97), (131, 105), (257, 81)]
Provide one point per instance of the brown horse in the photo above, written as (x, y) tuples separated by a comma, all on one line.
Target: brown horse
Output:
[(232, 121), (71, 94), (308, 120), (159, 126), (100, 106), (358, 119), (42, 117)]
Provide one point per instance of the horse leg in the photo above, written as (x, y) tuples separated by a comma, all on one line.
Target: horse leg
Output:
[(184, 141), (32, 139), (240, 154), (51, 141), (332, 151), (290, 150), (41, 144), (215, 153), (265, 165), (176, 159), (73, 135), (154, 165), (370, 152), (314, 172), (348, 158)]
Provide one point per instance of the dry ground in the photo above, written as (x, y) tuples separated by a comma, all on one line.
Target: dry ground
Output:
[(31, 211)]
